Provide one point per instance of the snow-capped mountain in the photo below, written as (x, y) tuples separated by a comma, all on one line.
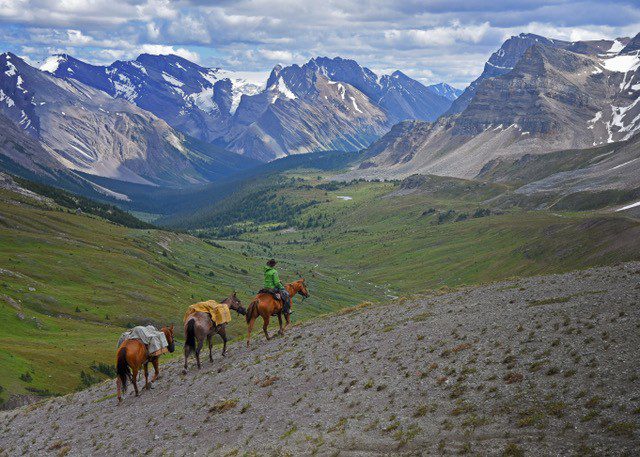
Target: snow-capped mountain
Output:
[(557, 96), (77, 127), (283, 116), (326, 104), (445, 90), (196, 100)]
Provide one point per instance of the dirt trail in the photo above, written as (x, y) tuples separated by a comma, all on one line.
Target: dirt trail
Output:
[(537, 366)]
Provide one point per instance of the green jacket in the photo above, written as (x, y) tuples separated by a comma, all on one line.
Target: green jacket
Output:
[(271, 279)]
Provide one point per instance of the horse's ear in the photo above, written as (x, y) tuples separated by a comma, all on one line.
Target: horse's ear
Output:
[(234, 293), (171, 327)]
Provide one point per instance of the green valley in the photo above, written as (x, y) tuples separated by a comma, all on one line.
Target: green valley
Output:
[(71, 283)]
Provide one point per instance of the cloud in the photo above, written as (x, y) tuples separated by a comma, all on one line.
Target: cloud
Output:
[(437, 36), (159, 49), (432, 40)]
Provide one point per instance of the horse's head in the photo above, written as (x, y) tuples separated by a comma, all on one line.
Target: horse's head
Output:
[(234, 303), (168, 333), (301, 287)]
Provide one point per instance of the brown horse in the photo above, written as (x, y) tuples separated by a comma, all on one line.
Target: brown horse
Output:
[(131, 355), (266, 305), (200, 326)]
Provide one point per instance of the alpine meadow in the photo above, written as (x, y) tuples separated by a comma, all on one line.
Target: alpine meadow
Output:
[(344, 228)]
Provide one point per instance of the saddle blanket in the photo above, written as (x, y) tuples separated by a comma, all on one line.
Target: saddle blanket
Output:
[(150, 336), (219, 312)]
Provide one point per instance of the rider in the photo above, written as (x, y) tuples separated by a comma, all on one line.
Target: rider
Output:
[(272, 281)]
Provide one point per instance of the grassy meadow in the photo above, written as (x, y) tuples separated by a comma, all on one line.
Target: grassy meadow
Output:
[(70, 284)]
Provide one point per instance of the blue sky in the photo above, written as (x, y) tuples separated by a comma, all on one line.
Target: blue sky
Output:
[(431, 40)]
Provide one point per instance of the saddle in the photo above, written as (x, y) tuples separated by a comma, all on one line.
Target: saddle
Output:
[(272, 292)]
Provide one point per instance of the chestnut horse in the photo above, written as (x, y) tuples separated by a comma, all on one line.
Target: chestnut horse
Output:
[(266, 305), (131, 355), (200, 326)]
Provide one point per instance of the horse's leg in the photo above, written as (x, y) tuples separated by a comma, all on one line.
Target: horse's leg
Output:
[(146, 375), (156, 370), (249, 329), (287, 318), (266, 325), (222, 331), (280, 332), (198, 349), (210, 342), (187, 353), (119, 385), (134, 380)]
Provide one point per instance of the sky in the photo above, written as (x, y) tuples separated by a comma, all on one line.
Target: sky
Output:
[(430, 40)]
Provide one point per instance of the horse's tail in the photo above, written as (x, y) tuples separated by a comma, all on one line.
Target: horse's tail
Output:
[(122, 367), (251, 310), (190, 336)]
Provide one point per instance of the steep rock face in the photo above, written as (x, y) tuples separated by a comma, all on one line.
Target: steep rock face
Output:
[(505, 59), (553, 99), (326, 104), (501, 62), (84, 129)]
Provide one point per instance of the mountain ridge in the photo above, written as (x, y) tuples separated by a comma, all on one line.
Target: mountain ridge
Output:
[(555, 97), (212, 106), (81, 128)]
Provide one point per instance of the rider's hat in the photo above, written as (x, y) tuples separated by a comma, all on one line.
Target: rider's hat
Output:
[(271, 263)]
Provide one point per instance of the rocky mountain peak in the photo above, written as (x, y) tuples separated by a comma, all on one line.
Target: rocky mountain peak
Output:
[(632, 46)]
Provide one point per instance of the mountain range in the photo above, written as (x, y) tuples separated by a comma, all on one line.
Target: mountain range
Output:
[(165, 121), (64, 125), (535, 96), (323, 104)]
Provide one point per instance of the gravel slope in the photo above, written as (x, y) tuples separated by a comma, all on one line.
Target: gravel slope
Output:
[(536, 366)]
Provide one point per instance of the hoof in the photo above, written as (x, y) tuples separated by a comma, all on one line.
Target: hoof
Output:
[(184, 371)]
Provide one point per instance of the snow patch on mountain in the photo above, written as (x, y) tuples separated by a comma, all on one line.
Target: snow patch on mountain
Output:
[(355, 105), (203, 100), (123, 86), (171, 80), (284, 90), (51, 64), (622, 63), (618, 123), (5, 98), (616, 47)]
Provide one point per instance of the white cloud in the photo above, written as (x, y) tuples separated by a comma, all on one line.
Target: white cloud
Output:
[(159, 49), (431, 40), (275, 55), (437, 36)]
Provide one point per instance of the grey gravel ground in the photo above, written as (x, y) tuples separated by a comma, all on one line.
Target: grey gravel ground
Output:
[(536, 366)]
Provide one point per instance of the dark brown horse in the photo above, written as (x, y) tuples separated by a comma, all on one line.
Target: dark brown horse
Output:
[(200, 326), (131, 355), (266, 305)]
